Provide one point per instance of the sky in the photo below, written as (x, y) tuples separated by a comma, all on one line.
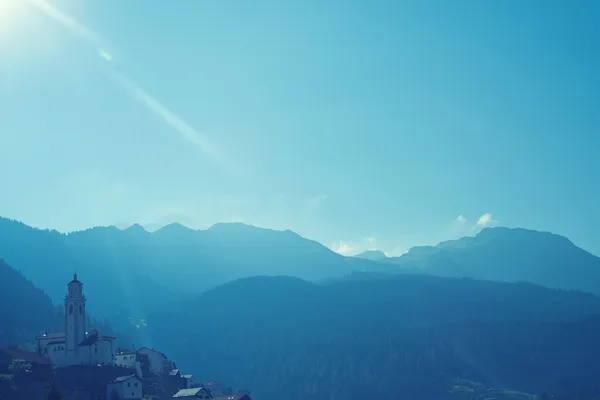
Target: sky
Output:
[(363, 125)]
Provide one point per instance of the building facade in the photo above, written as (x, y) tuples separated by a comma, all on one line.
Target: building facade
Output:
[(159, 362), (124, 387), (76, 346)]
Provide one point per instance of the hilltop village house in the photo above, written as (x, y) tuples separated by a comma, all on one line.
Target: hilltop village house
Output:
[(124, 387), (80, 347), (76, 346)]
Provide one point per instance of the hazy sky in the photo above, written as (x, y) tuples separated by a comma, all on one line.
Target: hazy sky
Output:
[(360, 124)]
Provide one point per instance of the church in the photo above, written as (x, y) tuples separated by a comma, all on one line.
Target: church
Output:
[(76, 346)]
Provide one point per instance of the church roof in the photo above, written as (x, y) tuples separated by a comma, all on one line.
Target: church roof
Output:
[(75, 280), (93, 337), (51, 336)]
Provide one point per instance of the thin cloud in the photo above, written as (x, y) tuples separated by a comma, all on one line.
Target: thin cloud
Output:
[(460, 219), (396, 252), (80, 30), (486, 220), (344, 248)]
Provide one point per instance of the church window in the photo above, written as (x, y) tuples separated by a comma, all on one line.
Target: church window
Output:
[(70, 308), (80, 310), (96, 350), (128, 384)]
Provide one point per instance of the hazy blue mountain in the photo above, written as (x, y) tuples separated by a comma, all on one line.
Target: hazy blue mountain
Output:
[(511, 255), (373, 255), (25, 310), (131, 271), (409, 334)]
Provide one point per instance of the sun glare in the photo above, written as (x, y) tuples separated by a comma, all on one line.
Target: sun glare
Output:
[(11, 12)]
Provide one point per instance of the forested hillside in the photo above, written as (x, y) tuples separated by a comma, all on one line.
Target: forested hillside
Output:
[(25, 310), (411, 335)]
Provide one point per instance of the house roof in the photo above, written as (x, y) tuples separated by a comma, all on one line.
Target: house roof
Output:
[(188, 392), (174, 372), (123, 378), (238, 396), (187, 376), (56, 342), (45, 336), (210, 383), (28, 356), (152, 350)]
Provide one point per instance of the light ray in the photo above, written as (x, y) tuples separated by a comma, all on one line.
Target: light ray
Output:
[(177, 123)]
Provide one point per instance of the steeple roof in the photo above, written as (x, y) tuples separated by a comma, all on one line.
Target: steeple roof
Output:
[(75, 280)]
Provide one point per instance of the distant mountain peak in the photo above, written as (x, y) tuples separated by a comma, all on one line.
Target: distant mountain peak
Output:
[(373, 255), (493, 233), (175, 227), (231, 225), (136, 228)]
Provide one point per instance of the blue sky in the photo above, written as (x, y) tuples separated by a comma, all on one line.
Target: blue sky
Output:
[(380, 124)]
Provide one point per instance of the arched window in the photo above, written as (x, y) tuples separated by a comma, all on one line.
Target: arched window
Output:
[(70, 308)]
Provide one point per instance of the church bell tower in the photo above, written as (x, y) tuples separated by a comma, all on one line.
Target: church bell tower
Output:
[(74, 316)]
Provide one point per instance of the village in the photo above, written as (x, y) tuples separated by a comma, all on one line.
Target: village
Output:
[(83, 364)]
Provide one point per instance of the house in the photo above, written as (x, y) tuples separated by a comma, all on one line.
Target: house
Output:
[(157, 360), (76, 346), (125, 358), (132, 360), (195, 393), (124, 388)]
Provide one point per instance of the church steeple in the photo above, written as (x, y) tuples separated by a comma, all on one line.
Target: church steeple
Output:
[(74, 315)]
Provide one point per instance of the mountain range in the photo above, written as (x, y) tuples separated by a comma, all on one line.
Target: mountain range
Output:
[(271, 310), (125, 269), (128, 272), (504, 254)]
